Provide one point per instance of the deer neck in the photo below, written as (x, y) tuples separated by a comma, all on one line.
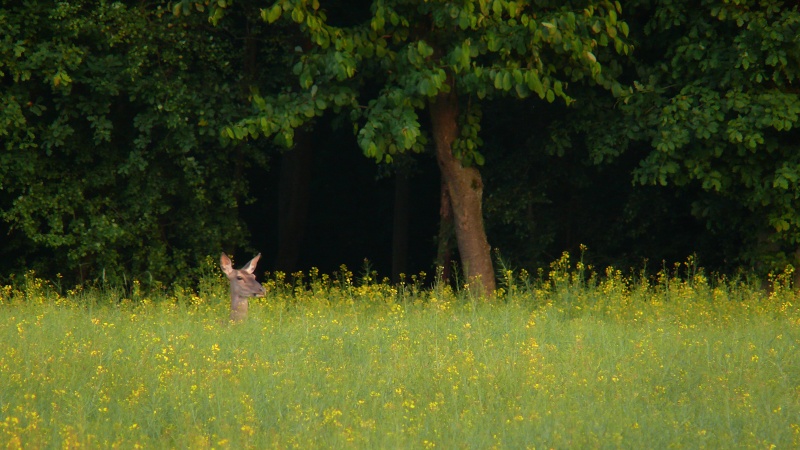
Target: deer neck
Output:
[(239, 306)]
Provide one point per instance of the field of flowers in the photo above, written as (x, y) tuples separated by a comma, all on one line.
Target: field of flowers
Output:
[(565, 359)]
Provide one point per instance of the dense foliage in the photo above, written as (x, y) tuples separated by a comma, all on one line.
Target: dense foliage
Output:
[(111, 159), (720, 110), (131, 134)]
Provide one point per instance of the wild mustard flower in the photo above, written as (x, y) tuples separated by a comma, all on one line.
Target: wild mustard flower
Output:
[(320, 363)]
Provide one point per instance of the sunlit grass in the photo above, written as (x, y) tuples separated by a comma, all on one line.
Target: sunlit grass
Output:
[(566, 359)]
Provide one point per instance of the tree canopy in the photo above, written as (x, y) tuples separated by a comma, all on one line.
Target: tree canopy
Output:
[(719, 109), (110, 147)]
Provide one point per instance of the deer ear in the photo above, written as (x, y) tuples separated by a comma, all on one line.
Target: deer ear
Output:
[(251, 266), (225, 263)]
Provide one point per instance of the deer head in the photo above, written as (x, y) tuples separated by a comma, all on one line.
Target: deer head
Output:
[(243, 285)]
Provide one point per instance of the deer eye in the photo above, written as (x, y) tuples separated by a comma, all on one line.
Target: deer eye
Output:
[(239, 277)]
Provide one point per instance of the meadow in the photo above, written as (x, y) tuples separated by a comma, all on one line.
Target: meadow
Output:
[(567, 358)]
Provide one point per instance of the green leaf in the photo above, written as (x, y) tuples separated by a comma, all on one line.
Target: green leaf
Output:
[(273, 14), (507, 81), (423, 86), (522, 90), (424, 49), (624, 28), (498, 80), (478, 157), (611, 30), (780, 224), (298, 15), (497, 7), (518, 77), (378, 21), (463, 21), (217, 16), (306, 80), (371, 150), (535, 84)]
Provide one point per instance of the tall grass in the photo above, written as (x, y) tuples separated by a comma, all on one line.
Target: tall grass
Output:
[(564, 359)]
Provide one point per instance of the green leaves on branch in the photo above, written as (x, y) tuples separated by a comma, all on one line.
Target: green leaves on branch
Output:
[(392, 127), (787, 177), (301, 12), (278, 116), (466, 146), (721, 109), (522, 83), (417, 53), (410, 49)]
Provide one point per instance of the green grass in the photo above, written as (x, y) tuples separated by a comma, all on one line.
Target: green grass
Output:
[(557, 361)]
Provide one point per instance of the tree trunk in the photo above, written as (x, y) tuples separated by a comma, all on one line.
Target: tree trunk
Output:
[(293, 197), (400, 225), (465, 186), (444, 251)]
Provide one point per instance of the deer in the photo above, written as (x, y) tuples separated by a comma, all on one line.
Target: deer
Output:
[(243, 285)]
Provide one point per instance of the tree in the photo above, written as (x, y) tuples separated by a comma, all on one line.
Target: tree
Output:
[(443, 57), (110, 159), (716, 107)]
